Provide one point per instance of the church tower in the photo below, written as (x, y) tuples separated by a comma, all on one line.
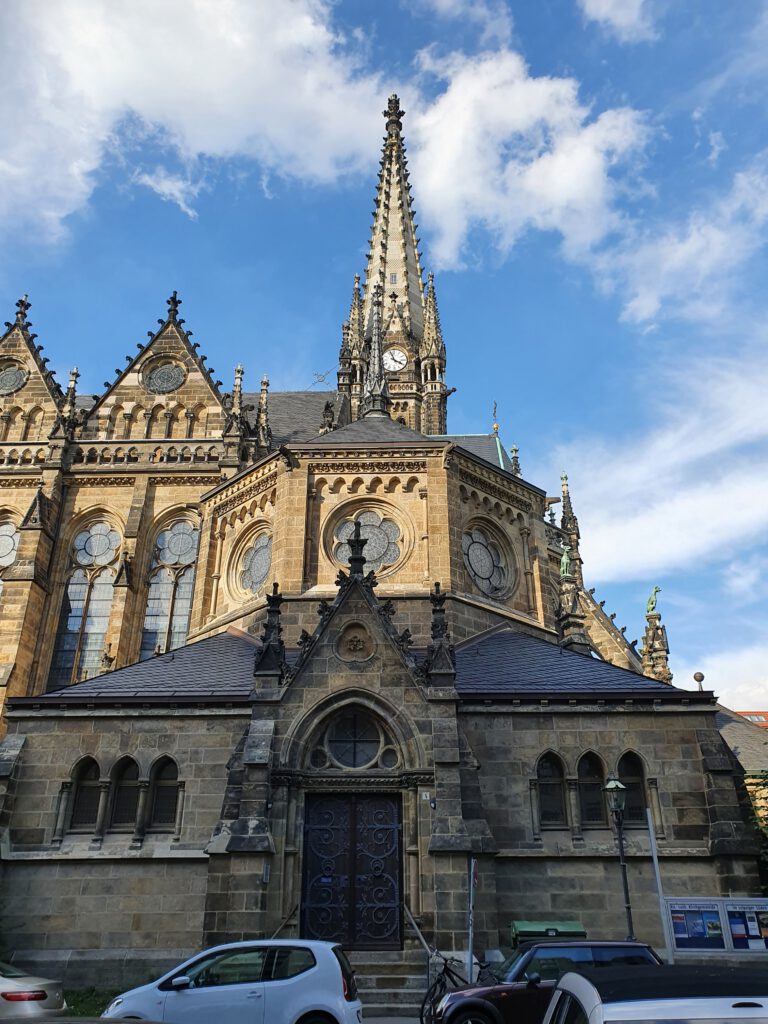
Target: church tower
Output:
[(394, 298)]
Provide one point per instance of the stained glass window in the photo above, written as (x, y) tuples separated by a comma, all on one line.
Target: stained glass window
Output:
[(164, 797), (171, 584), (86, 607), (485, 562), (551, 791), (9, 544), (256, 563), (85, 804), (354, 740), (125, 795), (381, 534), (631, 776)]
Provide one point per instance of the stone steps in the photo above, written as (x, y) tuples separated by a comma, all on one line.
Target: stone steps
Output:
[(391, 982)]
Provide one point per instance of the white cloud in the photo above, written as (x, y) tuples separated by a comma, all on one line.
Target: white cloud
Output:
[(745, 580), (631, 21), (173, 188), (492, 16), (739, 676), (215, 78), (689, 269), (508, 151), (692, 490)]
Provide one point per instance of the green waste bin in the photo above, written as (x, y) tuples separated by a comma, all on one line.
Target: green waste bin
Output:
[(524, 931)]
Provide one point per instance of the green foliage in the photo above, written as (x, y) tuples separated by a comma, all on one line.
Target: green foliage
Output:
[(89, 1002)]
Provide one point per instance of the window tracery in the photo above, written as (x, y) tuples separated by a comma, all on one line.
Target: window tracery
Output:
[(591, 781), (551, 781), (171, 584), (354, 739), (485, 562), (86, 606), (256, 563), (631, 775), (381, 533)]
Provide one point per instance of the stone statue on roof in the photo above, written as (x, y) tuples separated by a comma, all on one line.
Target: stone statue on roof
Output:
[(651, 606), (565, 561)]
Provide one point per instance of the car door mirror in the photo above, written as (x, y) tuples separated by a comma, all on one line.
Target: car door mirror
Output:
[(182, 981), (533, 979)]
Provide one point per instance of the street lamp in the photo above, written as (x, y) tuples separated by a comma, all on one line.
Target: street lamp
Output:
[(616, 795)]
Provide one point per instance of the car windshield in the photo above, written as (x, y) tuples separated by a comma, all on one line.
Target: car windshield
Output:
[(6, 971), (506, 969)]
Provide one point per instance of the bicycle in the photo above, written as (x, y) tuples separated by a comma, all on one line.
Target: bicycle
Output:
[(447, 978)]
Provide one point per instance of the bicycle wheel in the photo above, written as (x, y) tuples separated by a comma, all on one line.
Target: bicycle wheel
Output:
[(434, 993)]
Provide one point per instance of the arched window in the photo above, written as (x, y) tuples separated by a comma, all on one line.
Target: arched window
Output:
[(85, 800), (125, 795), (631, 776), (171, 582), (164, 796), (549, 773), (9, 547), (590, 781), (86, 606)]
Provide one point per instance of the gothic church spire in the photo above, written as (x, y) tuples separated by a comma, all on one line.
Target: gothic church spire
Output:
[(394, 261)]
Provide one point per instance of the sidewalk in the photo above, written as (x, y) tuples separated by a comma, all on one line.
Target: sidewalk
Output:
[(389, 1020)]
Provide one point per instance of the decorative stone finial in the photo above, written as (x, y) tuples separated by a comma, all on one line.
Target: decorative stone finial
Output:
[(173, 307), (394, 115), (376, 399), (263, 431), (22, 307), (270, 661), (655, 650), (357, 559), (515, 460)]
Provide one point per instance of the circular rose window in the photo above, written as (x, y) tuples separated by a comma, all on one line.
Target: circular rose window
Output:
[(12, 377), (97, 545), (9, 543), (354, 739), (256, 562), (164, 378), (381, 534), (178, 544), (485, 562)]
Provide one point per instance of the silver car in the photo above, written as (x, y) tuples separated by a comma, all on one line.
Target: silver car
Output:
[(26, 997)]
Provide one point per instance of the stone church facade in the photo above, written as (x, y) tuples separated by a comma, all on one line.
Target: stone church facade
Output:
[(286, 660)]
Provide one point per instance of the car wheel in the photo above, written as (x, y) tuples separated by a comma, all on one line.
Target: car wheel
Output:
[(471, 1016)]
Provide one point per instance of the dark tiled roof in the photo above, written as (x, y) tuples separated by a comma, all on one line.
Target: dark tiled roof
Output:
[(296, 415), (748, 742), (374, 430), (505, 663), (219, 667), (484, 446)]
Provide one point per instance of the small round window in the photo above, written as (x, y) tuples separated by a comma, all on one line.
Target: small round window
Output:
[(256, 562), (354, 739)]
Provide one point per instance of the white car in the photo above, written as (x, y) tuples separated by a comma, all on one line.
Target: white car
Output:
[(266, 981), (25, 996), (674, 995)]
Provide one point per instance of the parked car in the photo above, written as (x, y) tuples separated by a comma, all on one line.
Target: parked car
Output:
[(270, 981), (24, 996), (525, 980), (686, 994)]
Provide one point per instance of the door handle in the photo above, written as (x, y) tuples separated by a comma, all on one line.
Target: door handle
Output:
[(255, 995)]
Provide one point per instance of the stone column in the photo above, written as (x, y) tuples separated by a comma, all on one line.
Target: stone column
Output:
[(573, 803), (101, 814), (179, 813), (62, 812), (141, 815), (655, 805), (535, 809)]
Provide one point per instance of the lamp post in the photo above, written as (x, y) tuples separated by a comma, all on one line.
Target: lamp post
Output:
[(616, 794)]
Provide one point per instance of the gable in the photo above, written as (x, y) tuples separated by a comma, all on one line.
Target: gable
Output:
[(30, 397)]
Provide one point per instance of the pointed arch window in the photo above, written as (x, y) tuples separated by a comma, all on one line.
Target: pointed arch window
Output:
[(590, 782), (164, 796), (631, 775), (86, 606), (125, 795), (551, 779), (171, 582), (85, 801)]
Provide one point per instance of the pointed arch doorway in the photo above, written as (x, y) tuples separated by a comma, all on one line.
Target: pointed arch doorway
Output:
[(352, 874)]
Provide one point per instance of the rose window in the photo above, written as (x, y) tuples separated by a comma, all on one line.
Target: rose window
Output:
[(354, 739), (177, 545), (12, 377), (9, 544), (164, 378), (97, 545), (484, 562), (382, 536), (256, 562)]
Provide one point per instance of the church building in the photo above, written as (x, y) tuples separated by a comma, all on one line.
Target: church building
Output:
[(283, 661)]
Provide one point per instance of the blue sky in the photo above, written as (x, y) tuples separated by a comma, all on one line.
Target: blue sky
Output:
[(591, 184)]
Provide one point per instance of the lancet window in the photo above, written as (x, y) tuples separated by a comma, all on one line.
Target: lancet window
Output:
[(86, 606), (591, 798), (551, 780), (171, 583), (631, 776)]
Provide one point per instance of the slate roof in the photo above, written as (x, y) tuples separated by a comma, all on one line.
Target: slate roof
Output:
[(506, 663), (748, 742), (484, 446), (296, 415), (373, 430)]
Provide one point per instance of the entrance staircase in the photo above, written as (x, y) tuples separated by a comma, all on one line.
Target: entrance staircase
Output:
[(392, 982)]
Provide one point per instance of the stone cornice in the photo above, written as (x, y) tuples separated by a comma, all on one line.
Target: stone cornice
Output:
[(405, 465), (244, 491)]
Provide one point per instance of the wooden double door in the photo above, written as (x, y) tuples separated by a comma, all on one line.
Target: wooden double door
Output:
[(352, 870)]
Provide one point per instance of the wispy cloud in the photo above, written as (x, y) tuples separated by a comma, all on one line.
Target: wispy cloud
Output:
[(173, 188), (630, 21), (738, 675), (493, 17)]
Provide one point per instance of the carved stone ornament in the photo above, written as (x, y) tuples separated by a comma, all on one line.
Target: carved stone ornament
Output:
[(162, 378), (355, 643), (12, 378)]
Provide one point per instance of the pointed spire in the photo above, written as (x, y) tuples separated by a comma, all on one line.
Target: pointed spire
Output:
[(263, 431), (356, 332), (514, 452), (237, 391), (570, 524), (74, 376), (356, 558), (173, 307), (270, 661), (394, 260), (376, 399), (570, 620), (655, 649), (432, 345)]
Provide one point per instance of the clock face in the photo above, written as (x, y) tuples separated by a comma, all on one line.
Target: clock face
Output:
[(394, 359)]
